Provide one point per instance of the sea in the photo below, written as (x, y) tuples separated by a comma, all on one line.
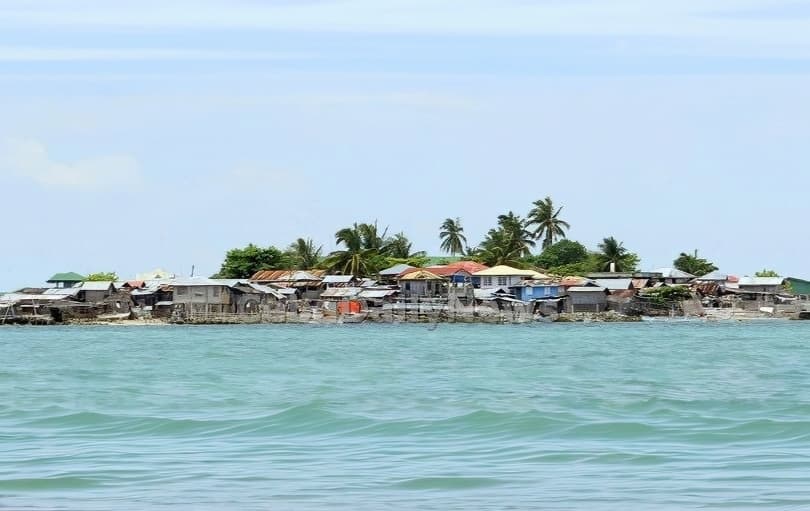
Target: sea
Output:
[(663, 415)]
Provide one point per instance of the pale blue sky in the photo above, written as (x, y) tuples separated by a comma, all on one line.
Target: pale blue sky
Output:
[(152, 133)]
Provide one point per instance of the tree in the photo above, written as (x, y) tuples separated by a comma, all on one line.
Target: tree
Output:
[(767, 273), (370, 236), (562, 253), (361, 245), (691, 263), (546, 217), (304, 255), (506, 244), (109, 276), (398, 246), (452, 236), (613, 252), (242, 263)]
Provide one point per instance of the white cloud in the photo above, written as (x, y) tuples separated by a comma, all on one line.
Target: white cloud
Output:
[(29, 159)]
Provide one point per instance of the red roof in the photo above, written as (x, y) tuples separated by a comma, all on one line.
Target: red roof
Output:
[(468, 266)]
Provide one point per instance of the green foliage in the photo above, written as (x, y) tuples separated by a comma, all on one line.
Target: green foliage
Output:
[(612, 251), (452, 235), (691, 263), (546, 217), (397, 246), (304, 255), (767, 273), (365, 250), (562, 253), (242, 263), (666, 294), (108, 276), (591, 264), (508, 243)]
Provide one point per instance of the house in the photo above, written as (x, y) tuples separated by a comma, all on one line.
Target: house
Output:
[(96, 292), (69, 279), (389, 275), (772, 285), (340, 293), (330, 281), (503, 275), (715, 277), (587, 299), (307, 284), (574, 281), (798, 287), (68, 292), (674, 276), (25, 307), (455, 275), (490, 293), (468, 266), (421, 283), (377, 297), (617, 284), (198, 295), (529, 290), (150, 294), (155, 299), (248, 298)]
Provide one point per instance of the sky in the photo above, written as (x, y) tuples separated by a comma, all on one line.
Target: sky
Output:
[(147, 134)]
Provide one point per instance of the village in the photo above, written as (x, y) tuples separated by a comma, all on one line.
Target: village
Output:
[(460, 291)]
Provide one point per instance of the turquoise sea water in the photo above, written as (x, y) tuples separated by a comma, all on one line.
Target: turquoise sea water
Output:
[(608, 416)]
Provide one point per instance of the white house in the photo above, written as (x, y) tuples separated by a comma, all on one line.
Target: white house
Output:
[(505, 276)]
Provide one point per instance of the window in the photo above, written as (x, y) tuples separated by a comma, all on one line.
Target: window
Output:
[(487, 281), (181, 291), (502, 281), (215, 292)]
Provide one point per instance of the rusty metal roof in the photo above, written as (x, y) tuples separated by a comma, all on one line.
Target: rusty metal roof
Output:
[(288, 275)]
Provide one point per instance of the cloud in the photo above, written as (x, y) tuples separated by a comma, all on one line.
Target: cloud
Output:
[(29, 159)]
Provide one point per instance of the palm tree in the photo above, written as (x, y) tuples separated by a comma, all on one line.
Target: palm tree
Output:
[(497, 249), (516, 237), (398, 246), (355, 258), (304, 253), (452, 236), (370, 236), (546, 218), (507, 243), (692, 263), (613, 252)]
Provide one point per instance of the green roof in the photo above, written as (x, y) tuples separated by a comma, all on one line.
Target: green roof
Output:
[(66, 277), (799, 286)]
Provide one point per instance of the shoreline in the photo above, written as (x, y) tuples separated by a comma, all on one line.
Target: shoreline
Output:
[(576, 318)]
